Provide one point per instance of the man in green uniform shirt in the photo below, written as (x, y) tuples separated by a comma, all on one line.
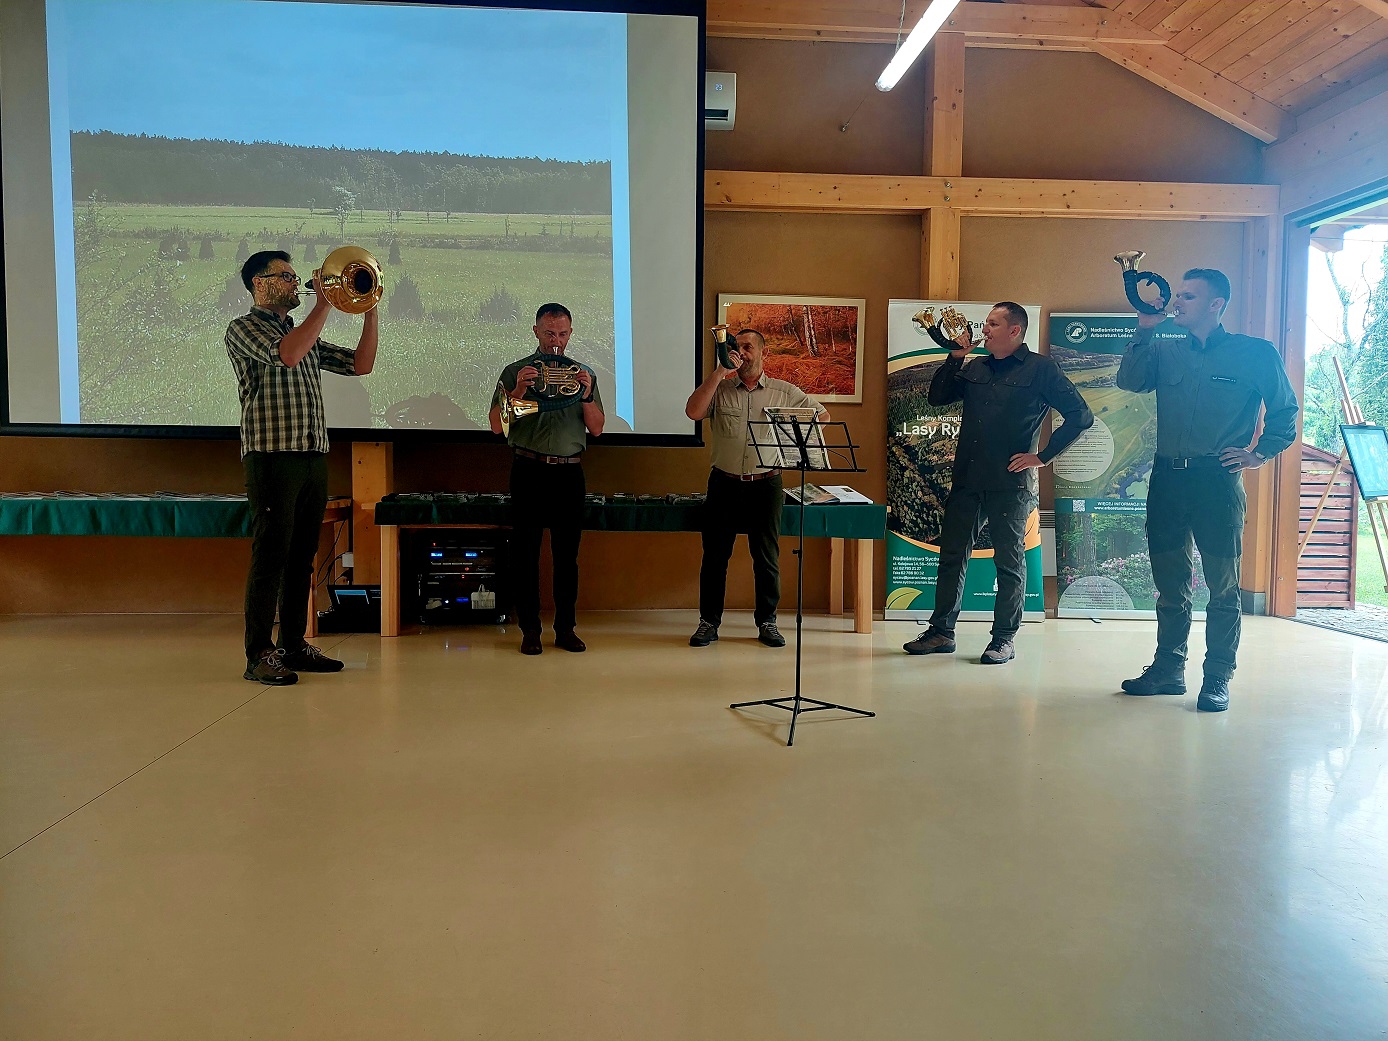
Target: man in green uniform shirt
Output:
[(1209, 389), (547, 484)]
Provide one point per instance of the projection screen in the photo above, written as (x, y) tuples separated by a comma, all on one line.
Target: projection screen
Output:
[(493, 158)]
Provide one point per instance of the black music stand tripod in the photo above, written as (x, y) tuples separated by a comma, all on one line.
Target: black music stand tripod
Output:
[(794, 443)]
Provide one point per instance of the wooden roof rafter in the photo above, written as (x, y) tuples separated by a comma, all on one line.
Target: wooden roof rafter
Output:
[(1255, 64)]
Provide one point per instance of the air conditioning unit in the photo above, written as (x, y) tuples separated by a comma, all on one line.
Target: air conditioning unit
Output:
[(720, 100)]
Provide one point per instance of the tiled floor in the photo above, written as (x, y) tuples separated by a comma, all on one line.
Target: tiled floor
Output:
[(450, 840)]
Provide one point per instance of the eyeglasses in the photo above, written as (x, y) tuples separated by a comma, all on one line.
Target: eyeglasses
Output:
[(288, 277)]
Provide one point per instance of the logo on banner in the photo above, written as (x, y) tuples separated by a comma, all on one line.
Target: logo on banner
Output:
[(1076, 332)]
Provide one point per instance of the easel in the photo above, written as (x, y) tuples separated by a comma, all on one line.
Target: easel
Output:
[(1378, 519)]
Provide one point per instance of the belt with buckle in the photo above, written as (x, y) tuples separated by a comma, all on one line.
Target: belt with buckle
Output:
[(526, 453), (1189, 462), (749, 477)]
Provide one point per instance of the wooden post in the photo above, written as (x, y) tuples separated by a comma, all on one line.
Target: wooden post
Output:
[(1259, 288), (373, 477), (944, 112), (1291, 338), (836, 567), (943, 157)]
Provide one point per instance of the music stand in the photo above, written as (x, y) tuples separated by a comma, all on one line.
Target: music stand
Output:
[(794, 440)]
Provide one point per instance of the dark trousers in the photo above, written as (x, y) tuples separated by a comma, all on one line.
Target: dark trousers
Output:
[(546, 495), (1006, 513), (287, 492), (735, 507), (1204, 505)]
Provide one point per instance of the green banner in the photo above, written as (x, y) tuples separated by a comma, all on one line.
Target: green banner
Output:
[(1101, 483)]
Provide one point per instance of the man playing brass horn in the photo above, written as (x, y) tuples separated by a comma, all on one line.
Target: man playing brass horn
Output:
[(1005, 396), (284, 448), (743, 496), (547, 483), (1210, 387)]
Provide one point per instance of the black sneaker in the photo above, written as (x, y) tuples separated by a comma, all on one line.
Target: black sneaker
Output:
[(932, 641), (997, 653), (768, 634), (1156, 679), (704, 635), (309, 658), (1214, 695), (269, 669)]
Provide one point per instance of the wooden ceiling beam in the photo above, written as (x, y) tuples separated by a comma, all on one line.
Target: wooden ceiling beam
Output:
[(1204, 89), (985, 196), (877, 21)]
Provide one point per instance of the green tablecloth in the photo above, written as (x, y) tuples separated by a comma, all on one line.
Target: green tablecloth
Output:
[(158, 516), (226, 516), (834, 520)]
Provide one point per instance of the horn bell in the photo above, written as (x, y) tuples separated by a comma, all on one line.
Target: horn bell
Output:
[(350, 279)]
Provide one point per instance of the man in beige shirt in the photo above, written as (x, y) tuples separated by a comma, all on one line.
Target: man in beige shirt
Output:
[(743, 496)]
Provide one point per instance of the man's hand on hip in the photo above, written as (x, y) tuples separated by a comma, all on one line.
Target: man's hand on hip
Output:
[(1236, 460)]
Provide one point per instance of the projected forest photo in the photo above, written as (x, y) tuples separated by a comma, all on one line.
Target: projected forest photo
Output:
[(470, 247)]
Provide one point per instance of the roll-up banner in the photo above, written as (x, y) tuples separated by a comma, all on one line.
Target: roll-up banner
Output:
[(921, 440), (1103, 570)]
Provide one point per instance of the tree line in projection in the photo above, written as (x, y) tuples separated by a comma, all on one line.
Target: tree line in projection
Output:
[(126, 168)]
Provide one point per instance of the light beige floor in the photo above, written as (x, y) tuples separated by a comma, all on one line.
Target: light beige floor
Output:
[(450, 840)]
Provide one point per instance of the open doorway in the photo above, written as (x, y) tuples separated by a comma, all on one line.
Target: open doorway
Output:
[(1340, 573)]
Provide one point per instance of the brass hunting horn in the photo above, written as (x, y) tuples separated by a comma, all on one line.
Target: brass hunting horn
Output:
[(1132, 278), (350, 280), (556, 388), (950, 324)]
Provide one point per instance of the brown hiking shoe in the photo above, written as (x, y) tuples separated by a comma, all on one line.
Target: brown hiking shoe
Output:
[(269, 669), (998, 652), (932, 641)]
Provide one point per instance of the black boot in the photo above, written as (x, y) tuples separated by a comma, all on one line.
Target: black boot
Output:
[(1157, 679), (1214, 695)]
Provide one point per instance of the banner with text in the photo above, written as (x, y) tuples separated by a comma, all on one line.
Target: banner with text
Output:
[(921, 441), (1103, 570)]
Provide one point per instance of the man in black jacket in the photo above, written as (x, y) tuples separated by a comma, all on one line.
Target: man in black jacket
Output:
[(1210, 387), (1006, 396)]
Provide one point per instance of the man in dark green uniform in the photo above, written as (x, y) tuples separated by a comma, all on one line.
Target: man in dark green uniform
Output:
[(547, 484), (1209, 389), (1005, 396)]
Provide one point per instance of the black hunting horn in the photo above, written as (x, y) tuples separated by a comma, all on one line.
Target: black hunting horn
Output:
[(1132, 278)]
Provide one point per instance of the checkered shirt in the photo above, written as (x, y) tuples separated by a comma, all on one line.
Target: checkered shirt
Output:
[(281, 407)]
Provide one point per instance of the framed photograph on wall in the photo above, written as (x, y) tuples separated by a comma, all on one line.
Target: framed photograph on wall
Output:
[(814, 342)]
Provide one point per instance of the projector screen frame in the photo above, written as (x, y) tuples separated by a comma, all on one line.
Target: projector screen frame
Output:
[(696, 9)]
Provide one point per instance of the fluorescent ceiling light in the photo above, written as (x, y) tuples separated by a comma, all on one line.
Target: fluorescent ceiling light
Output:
[(930, 23)]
